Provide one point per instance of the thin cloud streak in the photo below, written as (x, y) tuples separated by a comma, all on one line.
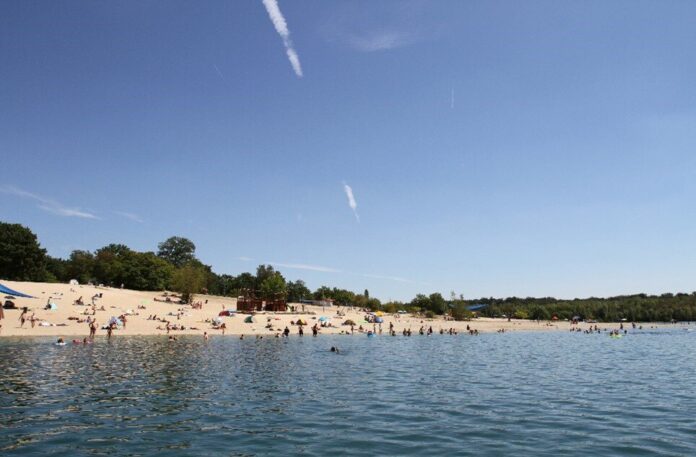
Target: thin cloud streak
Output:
[(47, 204), (281, 27), (390, 278), (302, 266), (131, 216), (351, 200), (219, 72), (325, 269), (383, 40)]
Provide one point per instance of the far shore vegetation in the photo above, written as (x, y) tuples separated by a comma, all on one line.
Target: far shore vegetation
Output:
[(175, 267)]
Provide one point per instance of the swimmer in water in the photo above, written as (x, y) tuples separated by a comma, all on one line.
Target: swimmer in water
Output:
[(334, 349)]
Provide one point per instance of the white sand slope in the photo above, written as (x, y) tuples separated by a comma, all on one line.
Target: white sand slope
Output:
[(116, 302)]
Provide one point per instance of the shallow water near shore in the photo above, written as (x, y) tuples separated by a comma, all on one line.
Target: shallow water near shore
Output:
[(495, 394)]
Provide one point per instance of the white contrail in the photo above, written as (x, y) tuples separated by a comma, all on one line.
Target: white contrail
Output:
[(304, 266), (219, 72), (47, 204), (281, 27), (351, 200), (132, 216)]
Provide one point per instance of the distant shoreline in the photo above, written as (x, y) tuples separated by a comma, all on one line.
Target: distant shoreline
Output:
[(138, 306)]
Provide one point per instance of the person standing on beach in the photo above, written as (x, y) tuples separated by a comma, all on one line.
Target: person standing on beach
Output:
[(109, 330), (315, 330), (92, 329), (23, 317), (300, 331), (286, 332)]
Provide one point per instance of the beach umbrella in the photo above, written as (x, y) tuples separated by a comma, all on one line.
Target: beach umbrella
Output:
[(348, 322), (324, 319), (379, 313)]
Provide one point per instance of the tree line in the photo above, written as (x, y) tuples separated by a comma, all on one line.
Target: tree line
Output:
[(175, 267)]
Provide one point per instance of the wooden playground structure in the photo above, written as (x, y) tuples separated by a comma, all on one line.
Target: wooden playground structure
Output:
[(249, 303)]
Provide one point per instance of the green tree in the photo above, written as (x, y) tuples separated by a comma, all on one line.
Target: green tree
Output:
[(80, 266), (177, 250), (188, 281), (273, 286), (297, 290), (21, 256), (460, 312), (111, 264), (263, 272), (438, 305), (56, 269), (521, 314), (322, 293), (146, 271), (244, 282), (421, 302)]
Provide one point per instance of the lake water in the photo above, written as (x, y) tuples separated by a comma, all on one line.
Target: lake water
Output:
[(496, 394)]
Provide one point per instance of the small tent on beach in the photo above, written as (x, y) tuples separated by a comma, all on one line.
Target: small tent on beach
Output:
[(8, 291), (249, 320)]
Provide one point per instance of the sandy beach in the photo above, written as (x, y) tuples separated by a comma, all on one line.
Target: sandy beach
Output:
[(69, 319)]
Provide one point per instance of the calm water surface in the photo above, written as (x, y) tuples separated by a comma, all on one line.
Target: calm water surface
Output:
[(515, 393)]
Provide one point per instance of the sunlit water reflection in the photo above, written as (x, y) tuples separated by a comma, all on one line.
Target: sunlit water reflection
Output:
[(498, 394)]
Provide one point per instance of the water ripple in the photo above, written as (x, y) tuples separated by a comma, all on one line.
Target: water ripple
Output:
[(523, 394)]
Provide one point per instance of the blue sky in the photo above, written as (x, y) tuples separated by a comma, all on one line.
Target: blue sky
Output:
[(493, 148)]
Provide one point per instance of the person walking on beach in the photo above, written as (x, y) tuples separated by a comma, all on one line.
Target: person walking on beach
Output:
[(92, 330), (300, 331), (286, 332), (23, 318), (315, 330), (109, 330)]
